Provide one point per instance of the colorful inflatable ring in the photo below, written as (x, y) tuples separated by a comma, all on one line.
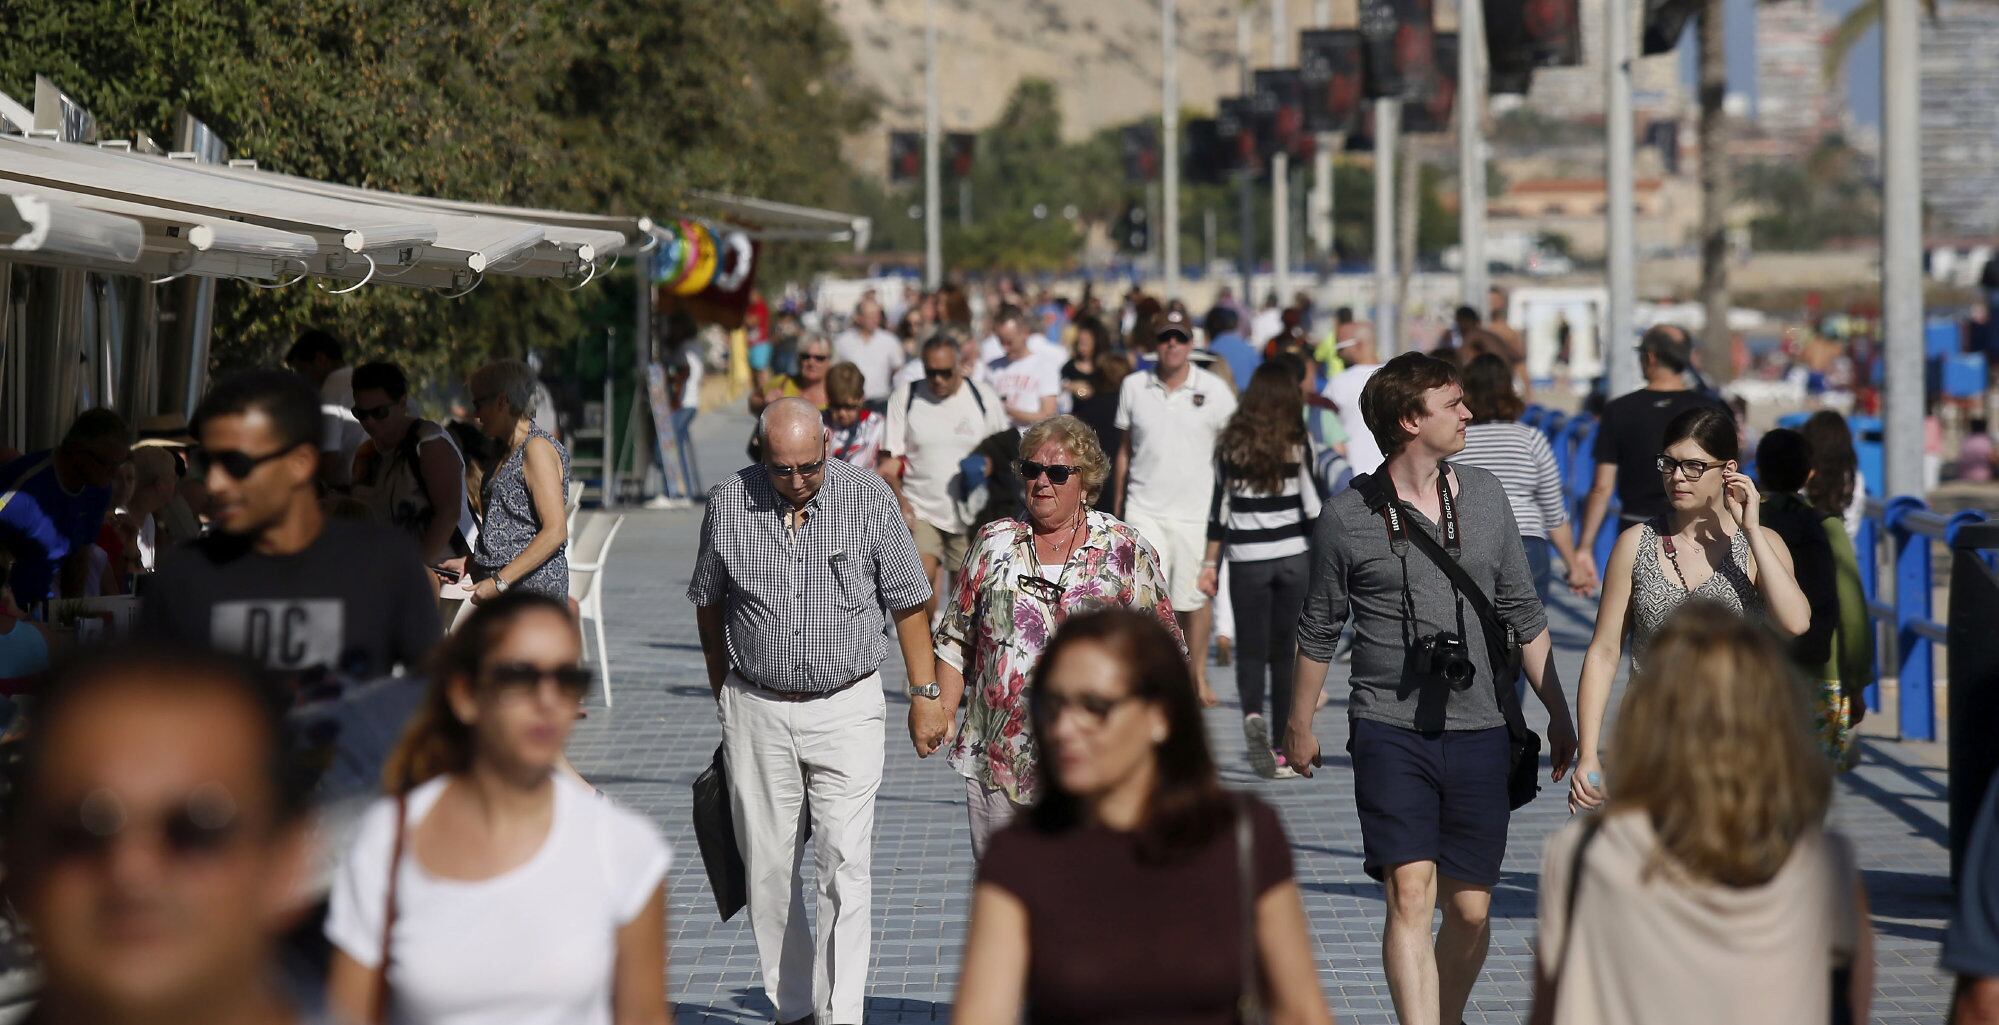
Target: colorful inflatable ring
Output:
[(670, 259), (702, 272), (732, 269)]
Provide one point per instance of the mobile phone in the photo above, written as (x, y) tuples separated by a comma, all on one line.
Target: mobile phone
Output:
[(450, 576)]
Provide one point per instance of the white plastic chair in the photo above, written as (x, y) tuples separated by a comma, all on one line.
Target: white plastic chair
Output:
[(587, 554), (575, 503)]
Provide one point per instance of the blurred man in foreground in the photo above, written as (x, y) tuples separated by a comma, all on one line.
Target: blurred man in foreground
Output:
[(157, 844)]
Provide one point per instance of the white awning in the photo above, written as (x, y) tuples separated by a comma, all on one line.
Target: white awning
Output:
[(35, 229), (179, 242), (765, 219)]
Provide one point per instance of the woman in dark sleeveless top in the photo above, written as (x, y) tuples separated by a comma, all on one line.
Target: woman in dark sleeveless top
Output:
[(523, 542)]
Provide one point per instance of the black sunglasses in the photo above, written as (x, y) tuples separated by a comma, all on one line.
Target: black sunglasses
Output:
[(805, 469), (367, 413), (202, 824), (573, 681), (1096, 708), (940, 373), (238, 465), (812, 357), (1058, 474)]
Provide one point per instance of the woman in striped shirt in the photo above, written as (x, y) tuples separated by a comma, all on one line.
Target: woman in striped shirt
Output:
[(1520, 457), (1260, 519)]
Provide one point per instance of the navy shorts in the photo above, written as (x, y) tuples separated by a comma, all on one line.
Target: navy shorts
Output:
[(1438, 797)]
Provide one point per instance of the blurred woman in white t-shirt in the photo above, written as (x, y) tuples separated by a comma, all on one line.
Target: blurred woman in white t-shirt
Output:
[(518, 896)]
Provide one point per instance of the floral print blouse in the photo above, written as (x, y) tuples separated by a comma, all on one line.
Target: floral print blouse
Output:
[(995, 630)]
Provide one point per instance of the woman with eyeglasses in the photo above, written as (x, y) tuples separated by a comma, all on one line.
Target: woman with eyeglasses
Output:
[(524, 539), (1710, 545), (409, 470), (488, 888), (1135, 889), (815, 359), (1022, 577)]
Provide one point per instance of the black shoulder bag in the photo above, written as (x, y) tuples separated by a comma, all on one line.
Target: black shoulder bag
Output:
[(1503, 645)]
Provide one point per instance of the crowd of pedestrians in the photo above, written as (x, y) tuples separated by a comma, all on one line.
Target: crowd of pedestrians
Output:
[(1050, 513)]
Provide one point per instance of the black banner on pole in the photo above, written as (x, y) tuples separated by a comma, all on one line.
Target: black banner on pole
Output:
[(1555, 27), (960, 152), (1138, 146), (1509, 49), (1665, 22), (1427, 111), (1235, 126), (905, 157), (1208, 156), (1396, 37), (1278, 106), (1329, 74)]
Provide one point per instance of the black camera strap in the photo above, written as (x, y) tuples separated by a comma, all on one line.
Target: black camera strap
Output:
[(1379, 492)]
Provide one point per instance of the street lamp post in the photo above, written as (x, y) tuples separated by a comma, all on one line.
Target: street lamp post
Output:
[(1620, 235), (1471, 149), (1902, 249), (1280, 171), (1169, 142), (1387, 136), (933, 206)]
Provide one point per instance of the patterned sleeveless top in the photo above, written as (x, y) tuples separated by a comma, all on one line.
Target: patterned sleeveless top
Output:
[(511, 523), (1656, 590)]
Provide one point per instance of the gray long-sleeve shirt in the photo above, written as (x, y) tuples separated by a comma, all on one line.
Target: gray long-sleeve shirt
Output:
[(1397, 600)]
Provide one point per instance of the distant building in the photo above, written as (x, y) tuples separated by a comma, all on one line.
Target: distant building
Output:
[(1666, 211), (1795, 106), (1960, 118), (1577, 93)]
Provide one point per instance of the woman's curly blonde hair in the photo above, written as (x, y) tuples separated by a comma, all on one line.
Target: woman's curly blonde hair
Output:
[(1084, 450)]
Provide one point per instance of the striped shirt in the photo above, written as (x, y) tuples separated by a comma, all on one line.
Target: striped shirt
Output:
[(1520, 457), (804, 608), (1255, 525)]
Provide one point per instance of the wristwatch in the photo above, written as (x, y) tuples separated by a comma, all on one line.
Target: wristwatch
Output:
[(929, 690), (499, 583)]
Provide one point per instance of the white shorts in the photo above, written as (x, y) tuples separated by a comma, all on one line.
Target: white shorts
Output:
[(1182, 546)]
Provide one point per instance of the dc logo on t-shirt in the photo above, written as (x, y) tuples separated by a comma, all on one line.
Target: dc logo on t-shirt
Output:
[(282, 633)]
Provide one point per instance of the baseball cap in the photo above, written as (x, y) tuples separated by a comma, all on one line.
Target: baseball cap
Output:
[(1174, 322)]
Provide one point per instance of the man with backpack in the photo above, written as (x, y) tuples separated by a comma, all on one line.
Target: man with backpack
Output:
[(933, 425)]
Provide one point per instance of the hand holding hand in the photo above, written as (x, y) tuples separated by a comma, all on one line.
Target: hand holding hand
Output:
[(1582, 576), (929, 725), (1586, 786), (1561, 745)]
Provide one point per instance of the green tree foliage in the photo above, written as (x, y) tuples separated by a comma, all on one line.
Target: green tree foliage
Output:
[(615, 106), (1804, 205)]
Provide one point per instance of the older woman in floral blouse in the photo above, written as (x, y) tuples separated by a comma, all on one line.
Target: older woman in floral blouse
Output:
[(1021, 579)]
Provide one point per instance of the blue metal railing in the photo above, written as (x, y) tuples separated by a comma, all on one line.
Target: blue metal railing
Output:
[(1906, 524)]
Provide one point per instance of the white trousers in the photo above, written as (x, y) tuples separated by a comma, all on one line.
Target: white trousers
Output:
[(783, 757), (989, 810)]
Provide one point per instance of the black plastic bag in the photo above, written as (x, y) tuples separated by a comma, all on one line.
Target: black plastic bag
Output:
[(715, 832)]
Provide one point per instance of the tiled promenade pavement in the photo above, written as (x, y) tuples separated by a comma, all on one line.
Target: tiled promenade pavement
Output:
[(646, 752)]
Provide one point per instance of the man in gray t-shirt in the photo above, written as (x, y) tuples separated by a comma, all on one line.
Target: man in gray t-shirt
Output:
[(1430, 752)]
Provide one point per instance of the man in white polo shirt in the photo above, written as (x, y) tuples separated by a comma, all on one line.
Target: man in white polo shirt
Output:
[(1170, 416), (866, 345), (933, 425)]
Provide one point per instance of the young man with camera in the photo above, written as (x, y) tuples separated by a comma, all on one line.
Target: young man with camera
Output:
[(1422, 556)]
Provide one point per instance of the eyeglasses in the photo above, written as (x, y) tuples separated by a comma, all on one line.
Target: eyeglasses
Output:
[(1176, 340), (202, 824), (940, 373), (573, 681), (844, 407), (802, 469), (367, 413), (812, 357), (237, 465), (1693, 469), (1058, 474), (1096, 708)]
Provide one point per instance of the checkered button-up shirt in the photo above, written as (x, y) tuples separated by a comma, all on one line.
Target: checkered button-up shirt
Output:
[(803, 609)]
